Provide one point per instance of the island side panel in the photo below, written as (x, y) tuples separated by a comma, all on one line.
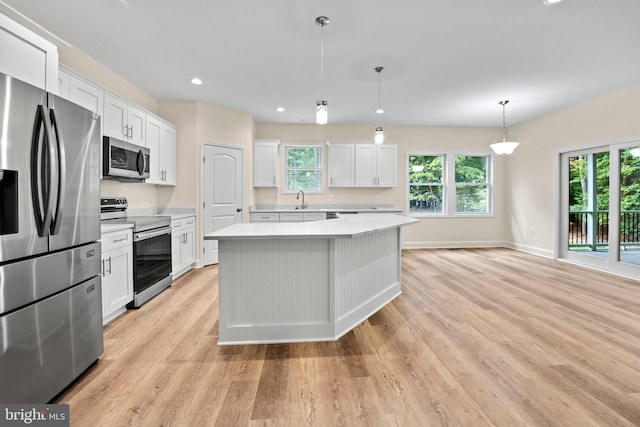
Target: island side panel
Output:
[(274, 290), (367, 276)]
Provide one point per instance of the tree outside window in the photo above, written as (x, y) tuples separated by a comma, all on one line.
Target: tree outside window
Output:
[(303, 167), (469, 192), (472, 184), (426, 184)]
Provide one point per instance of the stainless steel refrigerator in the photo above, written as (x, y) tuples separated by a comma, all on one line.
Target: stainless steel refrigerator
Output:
[(50, 294)]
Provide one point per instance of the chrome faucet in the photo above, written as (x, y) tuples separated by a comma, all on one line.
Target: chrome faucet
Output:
[(303, 205)]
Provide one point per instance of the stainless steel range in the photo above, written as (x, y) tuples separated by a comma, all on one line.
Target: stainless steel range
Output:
[(151, 248)]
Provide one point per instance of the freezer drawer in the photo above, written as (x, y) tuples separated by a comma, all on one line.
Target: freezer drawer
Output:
[(24, 282), (46, 345)]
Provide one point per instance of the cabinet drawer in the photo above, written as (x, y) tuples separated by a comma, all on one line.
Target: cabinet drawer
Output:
[(265, 217), (189, 222), (314, 216), (291, 217), (115, 240), (178, 225)]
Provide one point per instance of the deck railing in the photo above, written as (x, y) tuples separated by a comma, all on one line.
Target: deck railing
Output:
[(591, 228)]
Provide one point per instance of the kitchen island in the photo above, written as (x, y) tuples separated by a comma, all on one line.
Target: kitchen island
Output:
[(306, 281)]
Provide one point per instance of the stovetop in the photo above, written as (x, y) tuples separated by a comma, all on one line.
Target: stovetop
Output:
[(113, 210), (141, 223)]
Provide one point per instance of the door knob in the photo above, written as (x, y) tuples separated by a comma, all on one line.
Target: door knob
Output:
[(239, 210)]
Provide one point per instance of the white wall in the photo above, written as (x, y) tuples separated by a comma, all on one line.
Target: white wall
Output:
[(432, 232), (531, 172)]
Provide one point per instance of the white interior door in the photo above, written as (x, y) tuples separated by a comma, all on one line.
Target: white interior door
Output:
[(222, 193)]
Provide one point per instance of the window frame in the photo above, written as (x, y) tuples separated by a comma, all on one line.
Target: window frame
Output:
[(285, 176), (449, 185)]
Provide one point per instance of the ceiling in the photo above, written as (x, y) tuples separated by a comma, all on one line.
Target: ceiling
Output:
[(447, 62)]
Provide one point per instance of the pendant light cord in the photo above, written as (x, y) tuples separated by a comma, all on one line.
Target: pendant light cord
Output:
[(379, 90), (322, 60), (504, 120)]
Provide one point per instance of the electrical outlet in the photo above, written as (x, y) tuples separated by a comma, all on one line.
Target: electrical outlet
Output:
[(340, 198), (532, 231)]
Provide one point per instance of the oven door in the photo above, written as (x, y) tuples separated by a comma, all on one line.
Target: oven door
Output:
[(152, 257)]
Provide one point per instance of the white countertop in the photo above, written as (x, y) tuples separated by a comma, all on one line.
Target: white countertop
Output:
[(179, 216), (347, 226), (108, 228)]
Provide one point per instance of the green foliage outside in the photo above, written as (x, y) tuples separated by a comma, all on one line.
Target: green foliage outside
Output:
[(426, 179), (579, 191), (303, 168)]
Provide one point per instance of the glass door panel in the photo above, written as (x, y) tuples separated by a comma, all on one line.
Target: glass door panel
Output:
[(588, 204), (630, 205)]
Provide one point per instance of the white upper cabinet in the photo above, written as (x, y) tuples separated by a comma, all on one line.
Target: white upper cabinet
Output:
[(126, 121), (123, 120), (341, 165), (80, 91), (161, 141), (86, 95), (376, 165), (387, 165), (27, 56), (265, 163)]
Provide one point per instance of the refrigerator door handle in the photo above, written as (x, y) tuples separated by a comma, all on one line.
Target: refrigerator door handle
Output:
[(42, 168), (62, 171)]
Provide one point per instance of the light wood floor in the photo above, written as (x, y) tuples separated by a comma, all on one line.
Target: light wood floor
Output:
[(479, 337)]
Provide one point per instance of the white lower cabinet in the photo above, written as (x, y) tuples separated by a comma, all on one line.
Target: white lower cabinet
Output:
[(182, 245), (117, 273), (287, 216)]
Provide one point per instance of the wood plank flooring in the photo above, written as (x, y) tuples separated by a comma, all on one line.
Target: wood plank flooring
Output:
[(479, 337)]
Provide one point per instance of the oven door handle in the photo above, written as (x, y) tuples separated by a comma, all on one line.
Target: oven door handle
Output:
[(152, 233)]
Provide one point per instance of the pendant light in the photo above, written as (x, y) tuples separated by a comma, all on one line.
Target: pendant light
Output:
[(322, 112), (503, 148), (378, 136)]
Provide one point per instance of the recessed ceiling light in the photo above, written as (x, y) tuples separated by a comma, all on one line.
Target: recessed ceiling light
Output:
[(196, 81), (551, 1), (280, 109)]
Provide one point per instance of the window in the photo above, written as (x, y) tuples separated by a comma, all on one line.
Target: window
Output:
[(303, 168), (426, 184), (429, 176), (472, 184)]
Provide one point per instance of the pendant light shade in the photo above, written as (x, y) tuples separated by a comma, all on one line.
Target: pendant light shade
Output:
[(503, 148), (322, 114), (378, 136), (322, 111)]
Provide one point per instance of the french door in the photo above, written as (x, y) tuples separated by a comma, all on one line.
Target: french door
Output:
[(600, 207)]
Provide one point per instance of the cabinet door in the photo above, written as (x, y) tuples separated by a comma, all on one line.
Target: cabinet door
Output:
[(387, 165), (27, 56), (153, 131), (341, 165), (168, 155), (64, 81), (114, 120), (187, 253), (117, 280), (365, 173), (136, 120), (86, 95), (265, 163)]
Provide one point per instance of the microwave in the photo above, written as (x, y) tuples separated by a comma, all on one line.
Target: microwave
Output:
[(124, 161)]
